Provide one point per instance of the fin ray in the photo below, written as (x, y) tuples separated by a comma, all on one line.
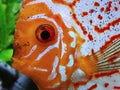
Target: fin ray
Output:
[(109, 58)]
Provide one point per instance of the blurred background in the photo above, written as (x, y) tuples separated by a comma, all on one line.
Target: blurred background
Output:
[(9, 10)]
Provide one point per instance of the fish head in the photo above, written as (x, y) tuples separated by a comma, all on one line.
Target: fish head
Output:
[(44, 45), (54, 39)]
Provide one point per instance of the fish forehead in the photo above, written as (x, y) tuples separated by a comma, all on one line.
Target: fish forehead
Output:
[(96, 20)]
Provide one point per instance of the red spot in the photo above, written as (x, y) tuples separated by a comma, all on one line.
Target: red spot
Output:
[(107, 27), (106, 85), (70, 4), (116, 8), (97, 4), (73, 3), (100, 17), (91, 10), (114, 57), (119, 2), (92, 51), (84, 14), (80, 24), (109, 5), (102, 74), (102, 9), (92, 87), (110, 41), (80, 83), (91, 21), (117, 87), (111, 60), (90, 37)]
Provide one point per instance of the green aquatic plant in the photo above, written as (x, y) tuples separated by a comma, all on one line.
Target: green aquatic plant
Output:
[(8, 15)]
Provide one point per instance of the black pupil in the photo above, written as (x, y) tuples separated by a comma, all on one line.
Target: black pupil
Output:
[(45, 35)]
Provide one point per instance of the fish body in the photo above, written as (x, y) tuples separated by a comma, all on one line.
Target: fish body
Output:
[(69, 44)]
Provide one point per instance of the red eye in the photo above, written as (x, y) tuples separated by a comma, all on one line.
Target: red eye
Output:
[(45, 33)]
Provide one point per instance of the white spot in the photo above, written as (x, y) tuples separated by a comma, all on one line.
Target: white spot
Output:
[(62, 71), (71, 61), (53, 73), (38, 69), (63, 49), (73, 35), (78, 75), (54, 86), (31, 51)]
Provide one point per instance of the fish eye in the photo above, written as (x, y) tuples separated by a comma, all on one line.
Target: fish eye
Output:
[(45, 33)]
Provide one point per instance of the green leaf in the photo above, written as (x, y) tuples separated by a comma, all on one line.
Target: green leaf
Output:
[(3, 30), (9, 10), (11, 14), (8, 16), (6, 55)]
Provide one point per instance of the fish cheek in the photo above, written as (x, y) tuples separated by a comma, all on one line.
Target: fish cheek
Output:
[(23, 42), (43, 78)]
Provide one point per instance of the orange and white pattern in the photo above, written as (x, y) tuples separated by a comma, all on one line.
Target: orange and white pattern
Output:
[(75, 30)]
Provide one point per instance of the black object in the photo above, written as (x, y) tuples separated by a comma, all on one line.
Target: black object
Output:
[(13, 80)]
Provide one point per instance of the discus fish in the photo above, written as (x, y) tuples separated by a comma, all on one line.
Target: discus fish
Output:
[(69, 44)]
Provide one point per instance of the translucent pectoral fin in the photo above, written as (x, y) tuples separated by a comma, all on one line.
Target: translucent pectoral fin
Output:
[(109, 58)]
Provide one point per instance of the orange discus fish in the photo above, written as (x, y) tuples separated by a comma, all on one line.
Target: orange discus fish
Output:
[(69, 44)]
